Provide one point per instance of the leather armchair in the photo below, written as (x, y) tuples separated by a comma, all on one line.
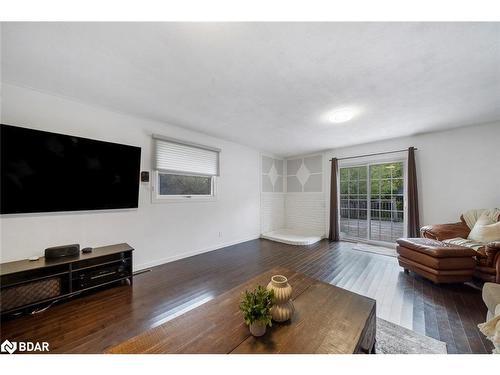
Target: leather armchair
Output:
[(442, 232), (487, 258)]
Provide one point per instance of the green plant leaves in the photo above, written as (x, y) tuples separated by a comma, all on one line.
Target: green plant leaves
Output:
[(256, 305)]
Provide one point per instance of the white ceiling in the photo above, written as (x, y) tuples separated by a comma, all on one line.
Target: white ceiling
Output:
[(269, 85)]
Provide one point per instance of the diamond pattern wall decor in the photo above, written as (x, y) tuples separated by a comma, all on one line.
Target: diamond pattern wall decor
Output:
[(272, 175), (305, 174)]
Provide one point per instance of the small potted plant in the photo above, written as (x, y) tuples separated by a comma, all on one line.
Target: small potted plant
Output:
[(256, 307)]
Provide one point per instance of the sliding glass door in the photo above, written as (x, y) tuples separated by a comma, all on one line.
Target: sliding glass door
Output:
[(354, 202), (372, 202)]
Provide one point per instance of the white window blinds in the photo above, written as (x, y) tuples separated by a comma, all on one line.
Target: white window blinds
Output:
[(187, 158)]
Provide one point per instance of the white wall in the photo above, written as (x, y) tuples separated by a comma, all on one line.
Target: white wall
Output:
[(159, 232), (457, 169)]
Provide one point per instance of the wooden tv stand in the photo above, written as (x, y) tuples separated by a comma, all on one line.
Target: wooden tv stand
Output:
[(26, 285)]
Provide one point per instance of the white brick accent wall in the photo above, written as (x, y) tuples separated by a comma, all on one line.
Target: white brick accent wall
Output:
[(305, 212), (272, 211)]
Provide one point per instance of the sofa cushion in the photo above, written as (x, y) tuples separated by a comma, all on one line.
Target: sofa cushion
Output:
[(485, 230), (471, 216), (465, 242)]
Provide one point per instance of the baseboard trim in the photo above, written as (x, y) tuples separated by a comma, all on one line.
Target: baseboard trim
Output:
[(192, 253)]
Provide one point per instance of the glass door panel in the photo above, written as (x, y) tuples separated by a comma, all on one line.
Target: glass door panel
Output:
[(372, 202), (353, 202)]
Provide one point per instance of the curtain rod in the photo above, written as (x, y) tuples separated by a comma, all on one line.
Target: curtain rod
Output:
[(374, 154)]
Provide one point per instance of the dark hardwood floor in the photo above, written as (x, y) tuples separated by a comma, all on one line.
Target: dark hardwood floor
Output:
[(95, 322)]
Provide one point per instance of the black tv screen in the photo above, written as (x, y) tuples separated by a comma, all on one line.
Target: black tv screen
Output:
[(48, 172)]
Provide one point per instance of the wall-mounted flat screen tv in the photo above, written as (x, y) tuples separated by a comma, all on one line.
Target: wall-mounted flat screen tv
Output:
[(48, 172)]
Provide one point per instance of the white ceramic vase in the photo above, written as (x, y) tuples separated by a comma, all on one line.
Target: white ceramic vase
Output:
[(257, 329), (282, 309)]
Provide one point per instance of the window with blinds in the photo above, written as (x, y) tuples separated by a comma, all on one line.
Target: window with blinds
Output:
[(184, 170)]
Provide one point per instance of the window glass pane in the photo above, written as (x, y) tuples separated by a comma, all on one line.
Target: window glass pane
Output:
[(344, 189), (362, 187), (353, 173), (375, 171), (385, 202), (385, 215), (171, 184), (397, 186), (353, 187), (397, 172), (375, 230), (343, 225), (386, 170), (344, 174), (385, 187), (399, 203), (362, 173), (354, 214), (375, 187)]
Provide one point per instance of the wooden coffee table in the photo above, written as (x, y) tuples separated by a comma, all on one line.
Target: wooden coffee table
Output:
[(327, 320)]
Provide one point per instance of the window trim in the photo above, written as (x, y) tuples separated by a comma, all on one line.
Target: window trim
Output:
[(158, 198)]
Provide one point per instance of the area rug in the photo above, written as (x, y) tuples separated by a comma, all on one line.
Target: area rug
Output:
[(375, 249), (394, 339)]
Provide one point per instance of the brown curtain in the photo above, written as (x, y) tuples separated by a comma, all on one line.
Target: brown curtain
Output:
[(413, 216), (334, 206)]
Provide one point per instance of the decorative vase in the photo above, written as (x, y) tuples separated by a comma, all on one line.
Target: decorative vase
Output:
[(257, 329), (282, 309)]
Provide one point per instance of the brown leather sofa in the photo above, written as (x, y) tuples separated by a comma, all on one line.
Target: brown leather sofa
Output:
[(487, 258)]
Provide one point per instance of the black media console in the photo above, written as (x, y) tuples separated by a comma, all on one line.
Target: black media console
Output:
[(26, 285)]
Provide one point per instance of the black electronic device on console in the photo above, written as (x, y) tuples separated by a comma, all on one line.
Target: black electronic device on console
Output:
[(27, 285), (86, 250), (88, 278), (62, 251)]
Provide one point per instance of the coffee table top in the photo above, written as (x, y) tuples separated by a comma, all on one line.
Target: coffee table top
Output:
[(327, 319)]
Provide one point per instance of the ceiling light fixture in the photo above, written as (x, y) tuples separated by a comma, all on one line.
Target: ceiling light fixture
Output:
[(341, 115)]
